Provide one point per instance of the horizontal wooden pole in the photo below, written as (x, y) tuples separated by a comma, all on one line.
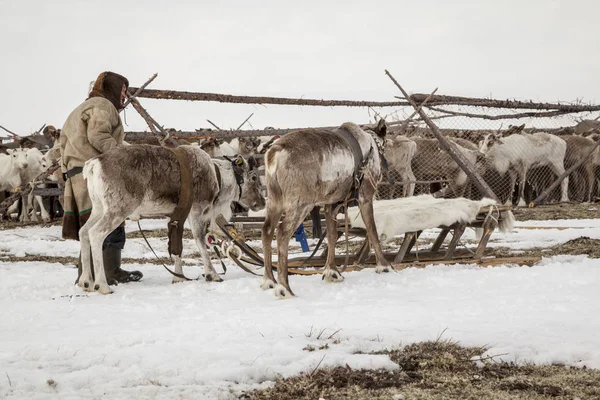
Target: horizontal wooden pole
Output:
[(479, 102), (228, 98)]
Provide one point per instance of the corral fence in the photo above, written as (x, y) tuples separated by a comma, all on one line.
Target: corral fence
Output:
[(549, 139), (508, 144)]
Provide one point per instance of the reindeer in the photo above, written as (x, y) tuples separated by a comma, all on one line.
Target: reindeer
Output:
[(212, 145), (399, 153), (518, 153), (145, 180), (314, 167)]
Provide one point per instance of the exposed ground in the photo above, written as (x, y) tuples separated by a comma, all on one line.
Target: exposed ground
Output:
[(439, 370), (558, 211)]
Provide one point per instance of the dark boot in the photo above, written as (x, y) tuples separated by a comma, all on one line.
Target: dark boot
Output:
[(112, 267)]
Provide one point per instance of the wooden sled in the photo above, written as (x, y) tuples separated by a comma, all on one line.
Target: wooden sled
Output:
[(487, 218)]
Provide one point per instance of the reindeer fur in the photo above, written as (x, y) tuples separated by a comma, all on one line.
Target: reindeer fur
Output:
[(315, 167)]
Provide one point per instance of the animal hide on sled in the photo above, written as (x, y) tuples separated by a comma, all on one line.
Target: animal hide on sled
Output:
[(411, 214)]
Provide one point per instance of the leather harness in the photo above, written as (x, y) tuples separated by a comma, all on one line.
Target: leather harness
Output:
[(359, 161), (182, 210)]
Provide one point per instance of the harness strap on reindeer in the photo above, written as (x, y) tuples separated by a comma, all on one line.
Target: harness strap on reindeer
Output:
[(182, 210)]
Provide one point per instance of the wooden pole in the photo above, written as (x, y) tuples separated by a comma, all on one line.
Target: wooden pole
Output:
[(152, 124), (39, 130), (133, 135), (558, 180), (138, 90), (536, 114), (14, 135), (213, 124), (407, 120), (246, 120), (492, 103), (450, 147), (228, 98)]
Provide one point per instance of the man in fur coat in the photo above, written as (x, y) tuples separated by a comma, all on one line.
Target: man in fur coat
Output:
[(93, 128)]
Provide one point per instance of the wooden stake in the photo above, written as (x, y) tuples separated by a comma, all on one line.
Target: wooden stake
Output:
[(407, 120), (12, 133), (137, 92), (246, 120), (152, 124), (450, 147), (213, 124)]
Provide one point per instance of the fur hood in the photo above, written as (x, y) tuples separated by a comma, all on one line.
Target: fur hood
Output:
[(109, 85)]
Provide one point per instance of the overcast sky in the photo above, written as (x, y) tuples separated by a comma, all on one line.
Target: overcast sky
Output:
[(51, 50)]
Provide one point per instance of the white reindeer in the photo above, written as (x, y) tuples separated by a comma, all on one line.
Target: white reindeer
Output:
[(520, 152)]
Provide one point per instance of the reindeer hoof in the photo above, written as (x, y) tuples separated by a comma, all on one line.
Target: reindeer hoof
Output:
[(383, 268), (267, 284), (86, 284), (282, 292), (331, 275), (177, 279), (213, 278), (102, 288)]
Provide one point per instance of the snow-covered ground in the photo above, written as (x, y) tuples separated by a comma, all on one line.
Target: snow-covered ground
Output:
[(198, 340)]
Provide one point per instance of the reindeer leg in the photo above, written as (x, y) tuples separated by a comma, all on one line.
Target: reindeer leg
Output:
[(331, 273), (44, 213), (271, 220), (178, 269), (564, 188), (85, 280), (288, 225), (365, 204), (513, 180), (411, 183), (522, 181), (98, 233), (590, 184), (24, 209), (199, 229)]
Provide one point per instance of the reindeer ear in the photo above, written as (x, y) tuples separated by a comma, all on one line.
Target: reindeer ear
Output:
[(381, 128)]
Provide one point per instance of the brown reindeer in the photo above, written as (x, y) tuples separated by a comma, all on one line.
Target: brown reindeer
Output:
[(145, 180), (318, 167)]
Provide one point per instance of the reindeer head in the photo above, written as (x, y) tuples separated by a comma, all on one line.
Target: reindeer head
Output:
[(378, 132), (212, 146), (246, 175), (248, 145), (18, 157), (489, 140), (37, 159)]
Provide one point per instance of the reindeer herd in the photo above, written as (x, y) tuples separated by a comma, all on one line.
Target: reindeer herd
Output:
[(515, 164), (303, 169)]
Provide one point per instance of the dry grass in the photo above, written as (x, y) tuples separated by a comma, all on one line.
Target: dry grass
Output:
[(558, 211), (438, 370), (580, 245)]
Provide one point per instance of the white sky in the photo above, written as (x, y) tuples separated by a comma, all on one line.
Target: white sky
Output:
[(539, 50)]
